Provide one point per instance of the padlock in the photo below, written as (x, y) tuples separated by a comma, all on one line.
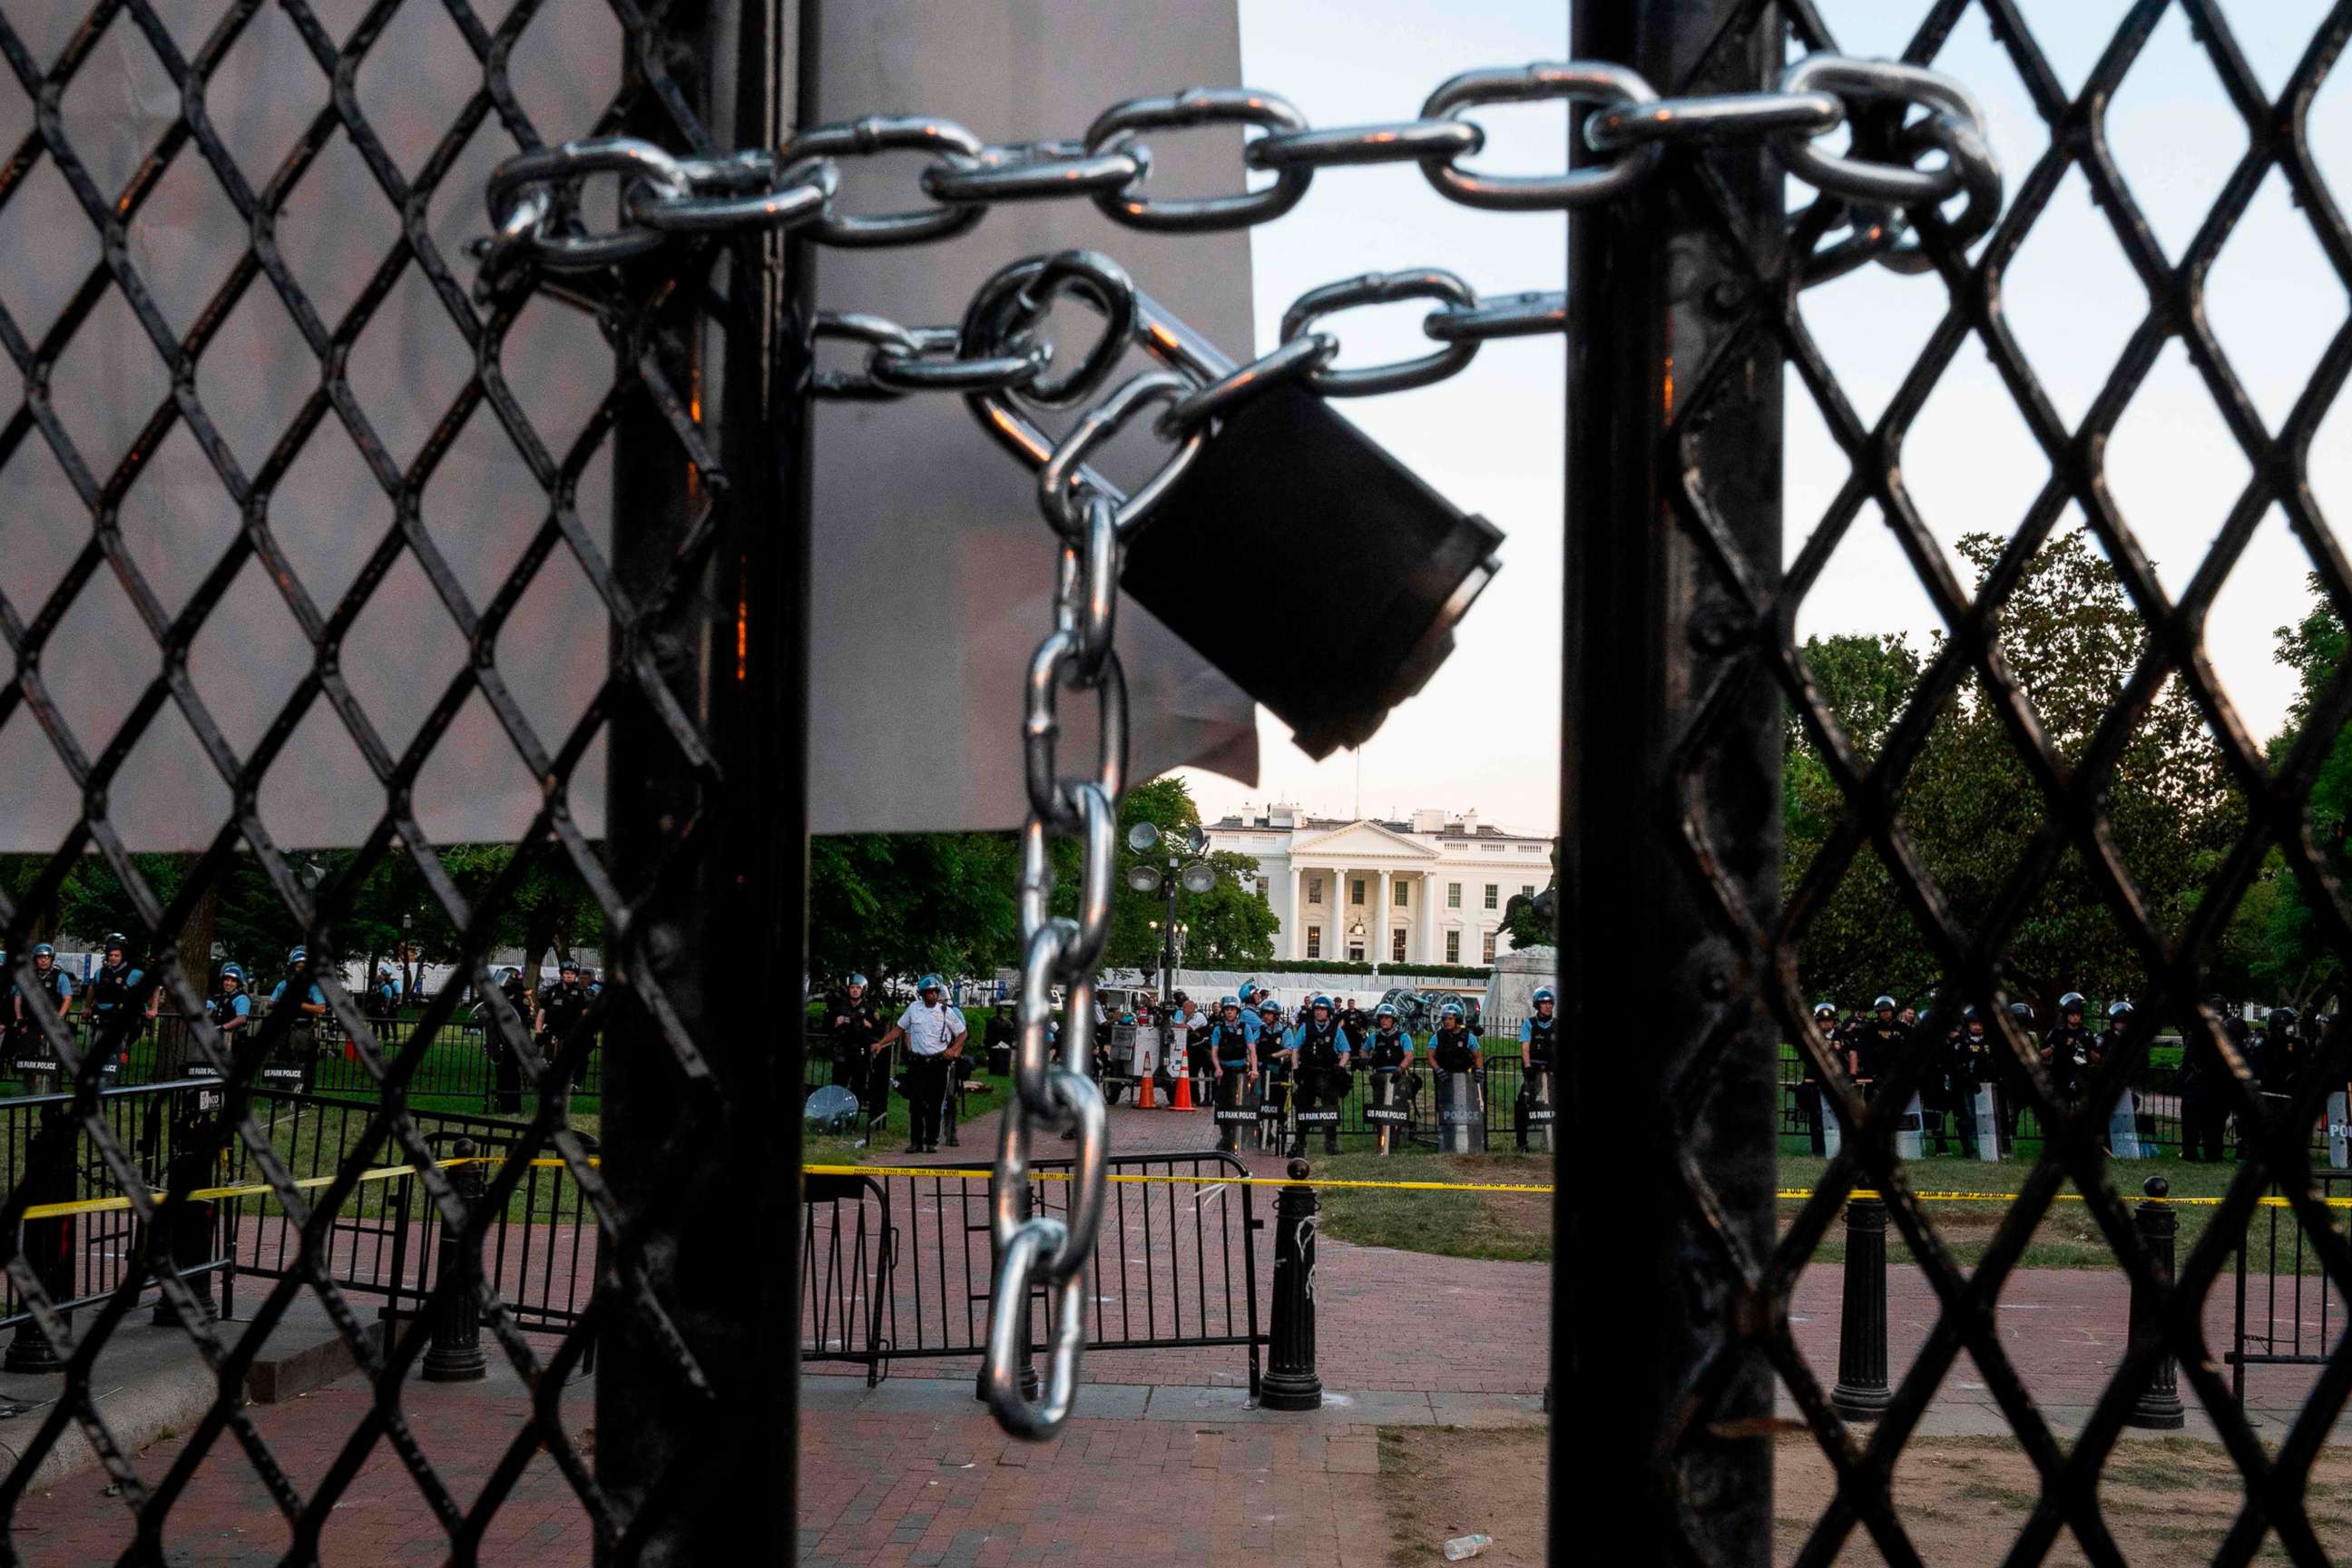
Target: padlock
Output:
[(1287, 493)]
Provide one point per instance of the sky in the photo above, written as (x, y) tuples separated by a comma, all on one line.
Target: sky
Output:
[(1484, 733)]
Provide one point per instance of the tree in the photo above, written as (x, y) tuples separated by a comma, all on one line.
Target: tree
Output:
[(889, 905), (2301, 968), (1972, 810)]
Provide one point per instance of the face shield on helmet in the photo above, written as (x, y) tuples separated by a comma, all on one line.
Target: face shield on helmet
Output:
[(231, 972), (1450, 1013), (2118, 1011), (1883, 1005), (1385, 1014), (2070, 1004), (1543, 998), (44, 956), (1269, 1008), (116, 943), (1321, 1008)]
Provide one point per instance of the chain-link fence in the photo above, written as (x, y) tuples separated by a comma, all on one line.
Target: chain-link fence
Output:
[(273, 420)]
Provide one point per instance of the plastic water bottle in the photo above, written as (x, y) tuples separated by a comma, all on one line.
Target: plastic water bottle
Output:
[(1462, 1546)]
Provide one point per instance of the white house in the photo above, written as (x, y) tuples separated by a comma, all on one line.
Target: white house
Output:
[(1431, 889)]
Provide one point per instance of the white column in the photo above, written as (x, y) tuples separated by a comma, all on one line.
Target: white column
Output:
[(1298, 911), (1429, 917), (1379, 922)]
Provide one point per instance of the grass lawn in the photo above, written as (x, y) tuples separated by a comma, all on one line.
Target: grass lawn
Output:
[(2067, 1236), (1514, 1226)]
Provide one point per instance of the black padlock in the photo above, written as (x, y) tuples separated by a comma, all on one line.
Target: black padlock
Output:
[(1292, 492)]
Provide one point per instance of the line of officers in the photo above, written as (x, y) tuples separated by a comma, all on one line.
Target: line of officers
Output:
[(1305, 1065), (120, 1001), (1967, 1057)]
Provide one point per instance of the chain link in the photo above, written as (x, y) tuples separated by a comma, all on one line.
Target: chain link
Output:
[(996, 361), (534, 197)]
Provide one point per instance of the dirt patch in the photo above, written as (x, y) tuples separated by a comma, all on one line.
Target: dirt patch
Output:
[(1521, 1214), (2165, 1501), (1441, 1483), (1964, 1500)]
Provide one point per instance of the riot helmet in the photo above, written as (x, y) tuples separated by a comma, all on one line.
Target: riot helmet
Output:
[(1268, 1008), (42, 952), (929, 983), (1543, 998), (2119, 1010), (1883, 1005), (116, 943), (232, 971), (1321, 1004), (2070, 1003), (1385, 1013), (1824, 1010)]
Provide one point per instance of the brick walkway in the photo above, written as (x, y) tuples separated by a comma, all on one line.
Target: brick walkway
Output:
[(1164, 1464)]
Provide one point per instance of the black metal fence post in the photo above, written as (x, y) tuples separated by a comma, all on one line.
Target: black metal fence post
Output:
[(2158, 1406), (48, 1244), (1671, 736), (1861, 1392), (454, 1353), (696, 1416), (1290, 1381), (193, 1228)]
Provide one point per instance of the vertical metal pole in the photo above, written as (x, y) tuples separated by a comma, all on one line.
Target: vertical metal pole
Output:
[(1653, 298), (1861, 1392), (719, 855), (2158, 1406)]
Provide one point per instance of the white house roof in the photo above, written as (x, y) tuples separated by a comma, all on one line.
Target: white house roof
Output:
[(1364, 840)]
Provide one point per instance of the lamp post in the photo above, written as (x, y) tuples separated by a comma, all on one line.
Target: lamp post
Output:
[(1196, 878)]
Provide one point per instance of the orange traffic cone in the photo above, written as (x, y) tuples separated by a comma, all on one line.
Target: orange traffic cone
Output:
[(1143, 1090), (1183, 1101)]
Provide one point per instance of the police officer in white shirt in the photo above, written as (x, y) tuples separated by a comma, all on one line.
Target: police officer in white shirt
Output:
[(934, 1032)]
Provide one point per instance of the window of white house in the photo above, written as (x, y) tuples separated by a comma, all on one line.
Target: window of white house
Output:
[(1401, 899), (1489, 945), (1314, 889), (1314, 941), (1396, 947), (1356, 890), (1454, 947), (1492, 890), (1526, 889), (1453, 895)]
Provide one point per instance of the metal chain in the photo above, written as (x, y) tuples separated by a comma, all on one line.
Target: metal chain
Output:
[(994, 359), (534, 196)]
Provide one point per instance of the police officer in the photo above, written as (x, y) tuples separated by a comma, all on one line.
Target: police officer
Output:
[(998, 1036), (1535, 1036), (121, 1005), (1277, 1080), (854, 1022), (2278, 1058), (1321, 1054), (230, 1009), (1452, 1048), (1233, 1048), (35, 1059), (935, 1032), (302, 1048), (2066, 1050), (561, 1007), (1810, 1108), (505, 1061), (1880, 1043), (1389, 1052), (1973, 1067)]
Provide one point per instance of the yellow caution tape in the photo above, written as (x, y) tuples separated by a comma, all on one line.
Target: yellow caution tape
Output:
[(961, 1173), (263, 1189)]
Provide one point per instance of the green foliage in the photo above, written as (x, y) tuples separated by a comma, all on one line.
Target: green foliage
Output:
[(1973, 811), (2298, 964), (891, 905), (1326, 966)]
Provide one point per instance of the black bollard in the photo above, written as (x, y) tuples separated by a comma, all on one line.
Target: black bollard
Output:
[(1290, 1383), (192, 1227), (1861, 1392), (454, 1353), (48, 1244), (2158, 1406)]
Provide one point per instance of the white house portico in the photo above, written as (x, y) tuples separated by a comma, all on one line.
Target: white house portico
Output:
[(1430, 888)]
